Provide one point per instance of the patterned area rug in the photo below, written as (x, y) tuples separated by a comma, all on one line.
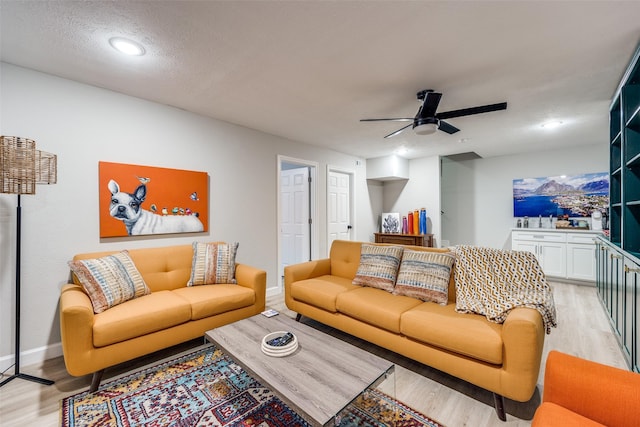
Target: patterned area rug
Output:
[(206, 388)]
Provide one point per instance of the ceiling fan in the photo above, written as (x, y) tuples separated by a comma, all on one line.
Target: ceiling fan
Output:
[(427, 121)]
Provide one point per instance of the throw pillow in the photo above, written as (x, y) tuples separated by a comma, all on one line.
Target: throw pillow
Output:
[(213, 263), (110, 280), (378, 266), (425, 275)]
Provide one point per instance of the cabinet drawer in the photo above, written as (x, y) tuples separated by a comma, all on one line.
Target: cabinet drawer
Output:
[(539, 236), (587, 239)]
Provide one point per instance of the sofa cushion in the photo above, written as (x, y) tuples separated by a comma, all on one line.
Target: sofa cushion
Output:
[(140, 316), (109, 280), (209, 300), (375, 306), (321, 291), (213, 263), (425, 275), (378, 266), (441, 326)]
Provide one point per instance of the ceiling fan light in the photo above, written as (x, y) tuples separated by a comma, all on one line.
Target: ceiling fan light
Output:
[(426, 128)]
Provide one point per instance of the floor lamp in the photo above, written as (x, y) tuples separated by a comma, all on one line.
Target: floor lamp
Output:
[(21, 168)]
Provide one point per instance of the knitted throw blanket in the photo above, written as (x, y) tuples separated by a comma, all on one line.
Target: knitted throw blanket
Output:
[(493, 282)]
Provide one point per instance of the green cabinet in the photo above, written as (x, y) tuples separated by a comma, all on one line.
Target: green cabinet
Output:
[(618, 258), (618, 285)]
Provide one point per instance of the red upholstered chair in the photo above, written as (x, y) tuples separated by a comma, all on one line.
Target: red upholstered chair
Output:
[(579, 392)]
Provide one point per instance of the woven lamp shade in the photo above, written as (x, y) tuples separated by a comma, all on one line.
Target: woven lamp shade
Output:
[(17, 165)]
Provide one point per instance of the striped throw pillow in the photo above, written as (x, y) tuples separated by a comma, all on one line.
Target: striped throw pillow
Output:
[(110, 280), (213, 263), (378, 266), (425, 275)]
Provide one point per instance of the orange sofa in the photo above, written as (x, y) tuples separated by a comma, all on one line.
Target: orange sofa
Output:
[(502, 358), (582, 393), (171, 314)]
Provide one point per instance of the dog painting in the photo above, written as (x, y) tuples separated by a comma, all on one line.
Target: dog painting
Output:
[(143, 200)]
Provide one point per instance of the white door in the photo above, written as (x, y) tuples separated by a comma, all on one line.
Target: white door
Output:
[(338, 206), (294, 225)]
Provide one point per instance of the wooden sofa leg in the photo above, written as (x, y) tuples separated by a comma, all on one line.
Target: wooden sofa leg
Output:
[(95, 381), (498, 402), (298, 317)]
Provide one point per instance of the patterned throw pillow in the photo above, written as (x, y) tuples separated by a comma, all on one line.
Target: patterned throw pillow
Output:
[(110, 280), (213, 263), (378, 266), (425, 275)]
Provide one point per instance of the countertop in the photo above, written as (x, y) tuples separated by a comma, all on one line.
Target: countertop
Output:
[(558, 230)]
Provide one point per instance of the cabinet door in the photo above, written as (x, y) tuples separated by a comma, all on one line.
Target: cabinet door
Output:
[(581, 263), (523, 245), (616, 291), (554, 258), (631, 328)]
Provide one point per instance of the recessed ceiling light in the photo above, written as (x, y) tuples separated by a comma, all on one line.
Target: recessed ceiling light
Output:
[(126, 46), (463, 140), (552, 124), (402, 150)]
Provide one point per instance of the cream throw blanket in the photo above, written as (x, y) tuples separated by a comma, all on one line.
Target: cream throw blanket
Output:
[(493, 282)]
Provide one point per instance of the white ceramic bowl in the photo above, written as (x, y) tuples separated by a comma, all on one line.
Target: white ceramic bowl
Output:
[(278, 351)]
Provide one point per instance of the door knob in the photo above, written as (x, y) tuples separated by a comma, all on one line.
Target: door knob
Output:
[(349, 227)]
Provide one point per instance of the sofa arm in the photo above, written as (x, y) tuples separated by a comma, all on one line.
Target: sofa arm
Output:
[(601, 393), (523, 339), (303, 271), (307, 270), (76, 327), (254, 278)]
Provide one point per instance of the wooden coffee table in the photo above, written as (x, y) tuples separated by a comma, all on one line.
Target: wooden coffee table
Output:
[(319, 380)]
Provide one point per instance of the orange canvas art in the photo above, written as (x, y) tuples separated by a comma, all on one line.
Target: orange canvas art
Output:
[(142, 200)]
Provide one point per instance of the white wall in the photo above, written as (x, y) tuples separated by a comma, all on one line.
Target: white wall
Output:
[(477, 195), (421, 190), (84, 125)]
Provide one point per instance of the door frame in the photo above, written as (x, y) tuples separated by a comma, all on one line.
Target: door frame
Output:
[(352, 204), (313, 213)]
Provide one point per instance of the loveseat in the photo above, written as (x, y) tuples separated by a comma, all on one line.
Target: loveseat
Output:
[(168, 313), (503, 358)]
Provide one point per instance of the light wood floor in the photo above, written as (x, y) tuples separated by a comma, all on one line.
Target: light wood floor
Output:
[(583, 331)]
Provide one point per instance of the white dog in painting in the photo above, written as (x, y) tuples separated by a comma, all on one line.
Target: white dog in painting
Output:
[(126, 207)]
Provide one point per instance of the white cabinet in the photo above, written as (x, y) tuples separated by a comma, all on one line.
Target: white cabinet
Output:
[(549, 249), (581, 256), (563, 254)]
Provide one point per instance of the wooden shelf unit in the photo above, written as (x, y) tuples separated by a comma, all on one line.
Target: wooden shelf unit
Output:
[(405, 239)]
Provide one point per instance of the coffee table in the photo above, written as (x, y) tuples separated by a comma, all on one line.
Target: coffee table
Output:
[(319, 380)]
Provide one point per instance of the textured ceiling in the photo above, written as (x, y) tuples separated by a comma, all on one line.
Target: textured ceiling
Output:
[(309, 70)]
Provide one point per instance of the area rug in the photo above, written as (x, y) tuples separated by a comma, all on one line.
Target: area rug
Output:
[(206, 388)]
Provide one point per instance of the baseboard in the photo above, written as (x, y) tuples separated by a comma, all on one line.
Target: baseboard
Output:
[(35, 356)]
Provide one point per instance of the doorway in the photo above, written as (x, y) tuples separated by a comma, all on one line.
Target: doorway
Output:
[(297, 224)]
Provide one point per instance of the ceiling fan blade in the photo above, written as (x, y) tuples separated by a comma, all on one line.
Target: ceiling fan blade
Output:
[(399, 130), (430, 104), (446, 127), (472, 110), (398, 119)]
